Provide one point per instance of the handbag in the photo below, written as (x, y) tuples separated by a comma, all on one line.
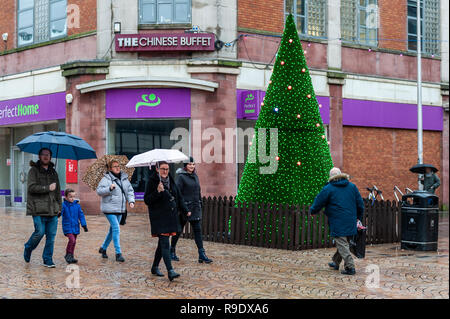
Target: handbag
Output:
[(358, 244), (123, 220)]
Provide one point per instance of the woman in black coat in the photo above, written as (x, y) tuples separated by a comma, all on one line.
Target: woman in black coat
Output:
[(163, 200), (189, 186)]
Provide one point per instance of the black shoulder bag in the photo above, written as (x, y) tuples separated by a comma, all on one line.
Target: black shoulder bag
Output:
[(123, 220)]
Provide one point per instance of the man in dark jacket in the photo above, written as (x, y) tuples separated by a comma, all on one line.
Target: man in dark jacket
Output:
[(164, 199), (430, 181), (343, 207), (44, 202)]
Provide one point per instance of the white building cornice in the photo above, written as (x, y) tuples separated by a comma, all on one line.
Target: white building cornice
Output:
[(147, 82)]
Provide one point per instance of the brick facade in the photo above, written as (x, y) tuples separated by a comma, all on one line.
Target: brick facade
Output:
[(393, 24), (336, 124), (261, 15), (383, 157), (370, 155), (260, 48), (8, 24), (49, 55), (215, 110), (363, 61), (87, 19), (85, 118)]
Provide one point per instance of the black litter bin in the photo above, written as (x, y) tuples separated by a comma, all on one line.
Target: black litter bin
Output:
[(420, 221)]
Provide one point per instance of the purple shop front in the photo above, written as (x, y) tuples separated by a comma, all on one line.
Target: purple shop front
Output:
[(38, 108), (390, 115), (249, 104), (148, 103)]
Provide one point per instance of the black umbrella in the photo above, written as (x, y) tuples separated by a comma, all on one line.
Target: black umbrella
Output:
[(420, 168)]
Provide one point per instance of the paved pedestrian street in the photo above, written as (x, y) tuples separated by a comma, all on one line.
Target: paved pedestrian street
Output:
[(237, 271)]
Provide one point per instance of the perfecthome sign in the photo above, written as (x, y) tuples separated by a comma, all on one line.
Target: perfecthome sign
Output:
[(165, 42), (33, 109)]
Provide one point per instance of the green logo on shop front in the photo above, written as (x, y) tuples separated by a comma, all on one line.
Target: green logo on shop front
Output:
[(150, 101), (250, 97)]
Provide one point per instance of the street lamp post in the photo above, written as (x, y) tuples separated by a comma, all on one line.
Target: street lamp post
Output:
[(419, 92)]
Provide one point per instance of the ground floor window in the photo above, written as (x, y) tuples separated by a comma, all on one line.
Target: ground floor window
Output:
[(132, 137), (15, 164)]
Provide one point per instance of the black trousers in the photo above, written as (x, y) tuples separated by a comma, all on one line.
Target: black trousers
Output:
[(197, 227), (163, 251)]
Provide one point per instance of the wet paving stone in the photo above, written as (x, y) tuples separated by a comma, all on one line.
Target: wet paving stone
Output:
[(238, 272)]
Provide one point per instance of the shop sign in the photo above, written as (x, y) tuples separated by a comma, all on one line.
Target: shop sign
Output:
[(165, 42), (148, 103), (8, 162), (33, 109), (71, 171), (249, 105)]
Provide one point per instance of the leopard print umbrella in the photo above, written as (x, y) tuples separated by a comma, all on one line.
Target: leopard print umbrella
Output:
[(96, 171)]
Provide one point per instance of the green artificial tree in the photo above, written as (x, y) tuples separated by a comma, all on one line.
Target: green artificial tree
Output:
[(303, 155)]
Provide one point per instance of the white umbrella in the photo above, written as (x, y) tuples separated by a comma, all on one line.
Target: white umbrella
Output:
[(157, 155)]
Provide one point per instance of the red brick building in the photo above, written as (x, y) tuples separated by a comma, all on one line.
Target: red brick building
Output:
[(65, 55)]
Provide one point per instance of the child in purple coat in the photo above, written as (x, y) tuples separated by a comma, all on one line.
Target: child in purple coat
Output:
[(72, 215)]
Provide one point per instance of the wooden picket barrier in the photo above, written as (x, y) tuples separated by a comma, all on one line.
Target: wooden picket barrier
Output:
[(288, 227)]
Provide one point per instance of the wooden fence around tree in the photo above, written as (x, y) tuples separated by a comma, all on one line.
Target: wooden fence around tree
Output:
[(287, 227)]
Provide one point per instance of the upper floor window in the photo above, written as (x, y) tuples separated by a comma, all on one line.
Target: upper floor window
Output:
[(310, 16), (40, 20), (359, 21), (164, 11), (429, 26)]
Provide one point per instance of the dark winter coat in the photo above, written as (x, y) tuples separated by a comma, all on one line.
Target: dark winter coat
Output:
[(189, 186), (343, 205), (163, 206), (41, 201), (430, 183), (72, 215)]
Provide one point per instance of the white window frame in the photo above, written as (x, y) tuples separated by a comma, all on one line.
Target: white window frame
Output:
[(423, 45), (304, 31), (19, 11), (49, 36), (369, 10), (157, 4)]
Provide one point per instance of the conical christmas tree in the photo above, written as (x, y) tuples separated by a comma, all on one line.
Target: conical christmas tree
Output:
[(302, 152)]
